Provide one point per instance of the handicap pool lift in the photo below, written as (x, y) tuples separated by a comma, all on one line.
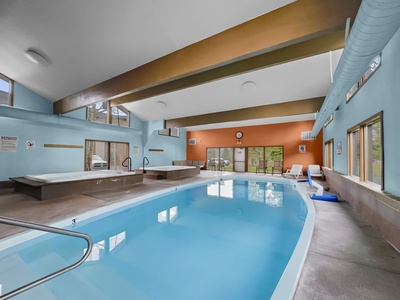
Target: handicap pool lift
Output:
[(319, 195)]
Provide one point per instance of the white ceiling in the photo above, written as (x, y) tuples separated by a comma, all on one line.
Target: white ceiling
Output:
[(90, 41)]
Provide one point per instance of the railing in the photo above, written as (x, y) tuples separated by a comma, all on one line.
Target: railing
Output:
[(19, 223), (129, 164), (145, 163)]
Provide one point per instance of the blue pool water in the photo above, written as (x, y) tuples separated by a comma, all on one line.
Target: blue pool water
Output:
[(228, 239)]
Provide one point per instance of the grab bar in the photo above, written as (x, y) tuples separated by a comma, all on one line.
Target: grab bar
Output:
[(19, 223), (129, 165)]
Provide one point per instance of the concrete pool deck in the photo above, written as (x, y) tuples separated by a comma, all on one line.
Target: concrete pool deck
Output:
[(347, 258)]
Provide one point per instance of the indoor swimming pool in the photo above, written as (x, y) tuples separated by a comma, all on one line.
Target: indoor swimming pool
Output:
[(229, 238)]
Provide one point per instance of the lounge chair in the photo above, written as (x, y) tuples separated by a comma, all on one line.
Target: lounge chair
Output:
[(295, 171), (315, 171)]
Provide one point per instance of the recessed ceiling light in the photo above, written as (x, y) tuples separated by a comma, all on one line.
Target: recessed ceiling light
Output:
[(36, 57)]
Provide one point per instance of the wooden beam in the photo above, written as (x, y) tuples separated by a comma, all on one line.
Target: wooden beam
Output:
[(297, 22), (259, 112)]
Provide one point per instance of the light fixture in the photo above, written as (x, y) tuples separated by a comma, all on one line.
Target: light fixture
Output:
[(248, 86), (36, 57), (161, 104)]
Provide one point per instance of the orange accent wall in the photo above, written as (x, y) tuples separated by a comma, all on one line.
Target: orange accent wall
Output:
[(287, 135)]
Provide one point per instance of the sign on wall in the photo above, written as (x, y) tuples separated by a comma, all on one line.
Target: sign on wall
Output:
[(8, 143), (302, 148), (30, 145)]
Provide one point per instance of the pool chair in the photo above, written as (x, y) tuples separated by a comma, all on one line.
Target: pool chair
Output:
[(319, 195), (262, 166), (315, 171), (295, 171)]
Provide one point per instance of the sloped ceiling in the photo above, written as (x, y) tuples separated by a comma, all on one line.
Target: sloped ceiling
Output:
[(88, 42)]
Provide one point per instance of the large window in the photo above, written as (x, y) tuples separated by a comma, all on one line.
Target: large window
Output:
[(219, 159), (365, 151), (272, 157), (6, 90), (103, 155), (101, 112)]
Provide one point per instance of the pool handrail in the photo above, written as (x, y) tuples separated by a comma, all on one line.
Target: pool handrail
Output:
[(35, 226)]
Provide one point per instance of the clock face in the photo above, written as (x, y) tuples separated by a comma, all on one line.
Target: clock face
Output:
[(239, 135)]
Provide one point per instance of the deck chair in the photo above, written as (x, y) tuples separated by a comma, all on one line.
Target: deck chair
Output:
[(262, 166), (277, 167), (315, 171), (295, 171)]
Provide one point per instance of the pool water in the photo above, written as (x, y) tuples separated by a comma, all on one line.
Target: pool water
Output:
[(228, 239)]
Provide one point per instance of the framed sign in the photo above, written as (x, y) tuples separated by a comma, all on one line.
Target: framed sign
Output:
[(302, 148)]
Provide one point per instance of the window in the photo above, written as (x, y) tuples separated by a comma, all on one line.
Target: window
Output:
[(119, 116), (328, 151), (6, 90), (355, 152), (103, 155), (373, 149), (98, 112), (365, 151), (329, 120), (101, 112), (375, 64)]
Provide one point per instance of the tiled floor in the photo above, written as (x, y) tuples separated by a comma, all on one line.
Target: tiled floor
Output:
[(347, 258)]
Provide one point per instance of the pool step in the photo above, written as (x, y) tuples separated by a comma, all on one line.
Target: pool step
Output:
[(70, 285), (14, 273)]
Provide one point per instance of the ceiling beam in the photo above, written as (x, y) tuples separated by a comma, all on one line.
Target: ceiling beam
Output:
[(298, 107), (301, 21)]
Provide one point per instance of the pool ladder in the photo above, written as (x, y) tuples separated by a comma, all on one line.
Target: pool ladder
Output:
[(20, 223)]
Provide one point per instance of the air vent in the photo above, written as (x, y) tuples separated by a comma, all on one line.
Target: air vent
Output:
[(306, 136)]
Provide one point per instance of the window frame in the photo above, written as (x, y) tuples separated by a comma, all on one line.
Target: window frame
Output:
[(329, 147), (364, 163), (109, 115), (11, 91)]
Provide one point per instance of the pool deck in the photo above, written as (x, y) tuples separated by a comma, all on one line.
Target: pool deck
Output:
[(347, 258)]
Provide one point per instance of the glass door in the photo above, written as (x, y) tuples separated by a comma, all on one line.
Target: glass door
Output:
[(254, 155), (96, 155), (118, 153), (274, 158)]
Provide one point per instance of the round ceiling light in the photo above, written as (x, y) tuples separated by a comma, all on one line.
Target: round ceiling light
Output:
[(36, 57), (248, 86), (161, 104)]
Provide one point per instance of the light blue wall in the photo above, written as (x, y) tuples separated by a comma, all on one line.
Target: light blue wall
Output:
[(380, 93), (31, 119), (26, 99), (173, 148)]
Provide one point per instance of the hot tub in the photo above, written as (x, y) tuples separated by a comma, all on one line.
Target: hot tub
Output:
[(170, 172), (46, 186)]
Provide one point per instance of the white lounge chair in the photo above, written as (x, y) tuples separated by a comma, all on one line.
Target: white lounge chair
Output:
[(295, 171), (315, 171)]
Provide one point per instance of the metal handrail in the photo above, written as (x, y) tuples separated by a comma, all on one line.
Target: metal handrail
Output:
[(129, 164), (40, 227)]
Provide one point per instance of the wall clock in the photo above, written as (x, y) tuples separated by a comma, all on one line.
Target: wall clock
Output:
[(239, 135)]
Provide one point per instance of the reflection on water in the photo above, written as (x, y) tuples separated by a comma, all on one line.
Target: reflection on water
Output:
[(168, 215), (266, 192), (221, 189)]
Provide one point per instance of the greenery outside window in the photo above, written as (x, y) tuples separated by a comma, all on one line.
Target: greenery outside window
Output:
[(366, 151), (6, 90)]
